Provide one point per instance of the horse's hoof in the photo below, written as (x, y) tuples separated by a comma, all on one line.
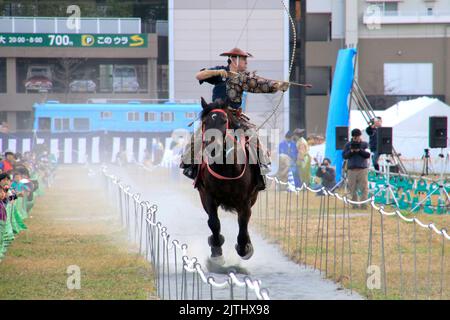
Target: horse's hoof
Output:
[(216, 252), (219, 260), (248, 253), (221, 241)]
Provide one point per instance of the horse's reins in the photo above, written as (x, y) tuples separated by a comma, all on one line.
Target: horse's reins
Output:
[(242, 143)]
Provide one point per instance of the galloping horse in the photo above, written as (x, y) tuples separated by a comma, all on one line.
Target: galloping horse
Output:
[(230, 186)]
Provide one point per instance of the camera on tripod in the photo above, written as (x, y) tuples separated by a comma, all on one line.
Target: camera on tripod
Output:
[(426, 153)]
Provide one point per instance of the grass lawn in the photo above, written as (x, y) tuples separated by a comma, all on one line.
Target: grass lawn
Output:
[(325, 240), (73, 224)]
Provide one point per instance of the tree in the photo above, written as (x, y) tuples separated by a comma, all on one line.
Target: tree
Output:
[(64, 71)]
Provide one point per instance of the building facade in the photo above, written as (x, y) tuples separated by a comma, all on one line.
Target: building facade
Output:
[(96, 58), (200, 30), (402, 47), (402, 52)]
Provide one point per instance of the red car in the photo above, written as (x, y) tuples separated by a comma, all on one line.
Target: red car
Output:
[(39, 78)]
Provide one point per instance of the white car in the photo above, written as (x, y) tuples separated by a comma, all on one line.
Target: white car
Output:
[(125, 79), (82, 86)]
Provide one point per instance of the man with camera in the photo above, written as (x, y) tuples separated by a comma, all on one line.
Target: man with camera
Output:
[(357, 166), (327, 174), (371, 130)]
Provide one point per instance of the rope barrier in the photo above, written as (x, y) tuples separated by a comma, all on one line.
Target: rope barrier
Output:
[(410, 264), (369, 200), (415, 255), (158, 245)]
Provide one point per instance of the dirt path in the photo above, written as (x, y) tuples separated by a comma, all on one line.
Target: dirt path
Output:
[(179, 209), (73, 225)]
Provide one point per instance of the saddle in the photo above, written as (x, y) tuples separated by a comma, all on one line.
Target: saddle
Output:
[(242, 118)]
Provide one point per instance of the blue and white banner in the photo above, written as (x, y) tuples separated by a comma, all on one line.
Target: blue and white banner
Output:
[(80, 148)]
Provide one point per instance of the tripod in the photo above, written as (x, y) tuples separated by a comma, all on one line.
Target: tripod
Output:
[(388, 187), (426, 162), (343, 179), (440, 187)]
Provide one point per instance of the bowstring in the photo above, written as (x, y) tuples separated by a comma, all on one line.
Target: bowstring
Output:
[(246, 23), (291, 64)]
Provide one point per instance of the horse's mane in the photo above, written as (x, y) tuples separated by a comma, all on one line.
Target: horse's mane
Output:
[(216, 104), (220, 104)]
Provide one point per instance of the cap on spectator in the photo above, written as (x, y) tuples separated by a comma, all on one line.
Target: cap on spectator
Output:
[(288, 134), (4, 176), (356, 132), (298, 131)]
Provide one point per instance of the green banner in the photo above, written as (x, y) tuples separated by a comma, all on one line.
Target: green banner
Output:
[(70, 40)]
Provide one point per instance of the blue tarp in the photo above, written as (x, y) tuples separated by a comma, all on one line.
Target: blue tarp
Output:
[(338, 111)]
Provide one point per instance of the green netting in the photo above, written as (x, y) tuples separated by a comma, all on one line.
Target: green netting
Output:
[(18, 218), (2, 230), (40, 191), (16, 228), (8, 233), (20, 203)]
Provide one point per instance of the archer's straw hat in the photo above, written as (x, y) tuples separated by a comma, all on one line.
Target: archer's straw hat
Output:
[(236, 52)]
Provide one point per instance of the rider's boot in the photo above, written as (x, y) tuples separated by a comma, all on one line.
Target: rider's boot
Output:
[(261, 183), (190, 170)]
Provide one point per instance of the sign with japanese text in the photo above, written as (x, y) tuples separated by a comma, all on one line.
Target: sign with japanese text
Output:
[(70, 40)]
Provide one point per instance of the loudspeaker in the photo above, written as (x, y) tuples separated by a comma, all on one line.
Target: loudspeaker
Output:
[(437, 135), (384, 140), (341, 137)]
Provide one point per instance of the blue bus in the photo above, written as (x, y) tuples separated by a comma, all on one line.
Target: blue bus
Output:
[(133, 116)]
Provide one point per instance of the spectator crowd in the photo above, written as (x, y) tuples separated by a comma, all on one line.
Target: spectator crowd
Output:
[(302, 161), (21, 179)]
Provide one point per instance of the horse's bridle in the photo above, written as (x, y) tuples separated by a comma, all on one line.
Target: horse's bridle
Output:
[(227, 134)]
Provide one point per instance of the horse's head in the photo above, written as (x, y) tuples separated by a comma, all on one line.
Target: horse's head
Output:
[(215, 116), (216, 120)]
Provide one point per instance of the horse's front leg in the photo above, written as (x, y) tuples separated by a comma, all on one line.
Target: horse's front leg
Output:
[(216, 240), (244, 246)]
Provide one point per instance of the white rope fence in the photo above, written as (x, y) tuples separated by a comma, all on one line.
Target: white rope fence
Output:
[(169, 258)]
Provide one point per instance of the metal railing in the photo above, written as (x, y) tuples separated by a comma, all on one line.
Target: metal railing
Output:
[(59, 25), (404, 257), (379, 252), (177, 276)]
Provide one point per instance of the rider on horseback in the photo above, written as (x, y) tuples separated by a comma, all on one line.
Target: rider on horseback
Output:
[(230, 82)]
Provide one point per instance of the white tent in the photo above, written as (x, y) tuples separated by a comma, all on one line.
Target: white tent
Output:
[(409, 120)]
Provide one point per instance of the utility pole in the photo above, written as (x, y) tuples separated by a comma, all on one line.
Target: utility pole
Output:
[(297, 98)]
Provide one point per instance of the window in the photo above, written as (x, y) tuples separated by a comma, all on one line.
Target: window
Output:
[(62, 124), (105, 115), (3, 117), (320, 78), (387, 8), (81, 124), (318, 27), (391, 8), (44, 124), (167, 116), (149, 116), (2, 75), (24, 120), (408, 78), (163, 81), (430, 11), (133, 116), (191, 115)]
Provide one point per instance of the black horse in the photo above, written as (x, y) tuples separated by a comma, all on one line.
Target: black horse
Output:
[(232, 186)]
